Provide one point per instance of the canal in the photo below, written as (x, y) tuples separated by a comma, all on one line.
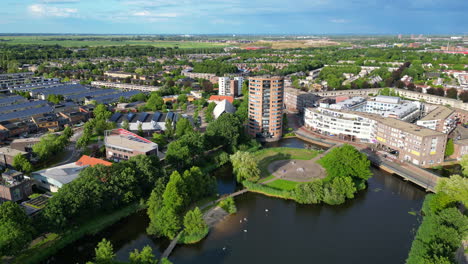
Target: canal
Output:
[(377, 226)]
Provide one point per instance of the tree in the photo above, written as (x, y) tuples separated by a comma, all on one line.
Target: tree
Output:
[(449, 148), (464, 96), (101, 112), (183, 153), (347, 161), (68, 132), (169, 131), (104, 252), (464, 165), (455, 187), (159, 139), (309, 193), (228, 205), (245, 166), (183, 127), (145, 256), (452, 93), (16, 229), (209, 112), (226, 131), (21, 163), (344, 186), (140, 130), (182, 98), (155, 203), (155, 102), (166, 221), (198, 184), (125, 125), (194, 224)]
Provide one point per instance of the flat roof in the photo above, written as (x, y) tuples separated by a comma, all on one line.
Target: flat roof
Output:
[(404, 126), (440, 112), (129, 142), (62, 174)]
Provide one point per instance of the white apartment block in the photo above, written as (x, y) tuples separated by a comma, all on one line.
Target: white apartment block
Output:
[(332, 123), (224, 86), (225, 83)]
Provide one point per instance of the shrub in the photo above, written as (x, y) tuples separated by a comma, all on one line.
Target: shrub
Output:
[(228, 205)]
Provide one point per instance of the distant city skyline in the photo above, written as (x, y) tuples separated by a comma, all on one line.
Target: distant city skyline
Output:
[(234, 17)]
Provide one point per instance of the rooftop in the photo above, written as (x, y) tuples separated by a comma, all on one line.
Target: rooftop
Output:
[(223, 107), (221, 98), (122, 138), (403, 126), (62, 174), (11, 152), (86, 160), (440, 112)]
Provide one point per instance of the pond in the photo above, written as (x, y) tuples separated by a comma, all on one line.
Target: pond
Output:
[(377, 226)]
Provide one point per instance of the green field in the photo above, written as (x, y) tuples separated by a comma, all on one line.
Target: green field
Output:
[(80, 41)]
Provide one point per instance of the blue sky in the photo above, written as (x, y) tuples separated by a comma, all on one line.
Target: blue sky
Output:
[(234, 16)]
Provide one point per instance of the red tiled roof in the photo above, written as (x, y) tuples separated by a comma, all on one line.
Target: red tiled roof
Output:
[(221, 98), (87, 160)]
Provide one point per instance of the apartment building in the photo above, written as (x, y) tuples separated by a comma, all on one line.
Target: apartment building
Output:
[(296, 100), (196, 75), (126, 86), (442, 119), (14, 186), (265, 107), (344, 125), (119, 74), (418, 145), (122, 145), (412, 143), (230, 87)]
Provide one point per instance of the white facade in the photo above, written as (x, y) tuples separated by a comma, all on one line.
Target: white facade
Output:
[(223, 84), (335, 123)]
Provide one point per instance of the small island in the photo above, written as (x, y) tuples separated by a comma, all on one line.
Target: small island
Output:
[(305, 176)]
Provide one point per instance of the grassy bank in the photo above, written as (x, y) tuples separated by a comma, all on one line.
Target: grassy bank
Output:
[(283, 184), (192, 239), (55, 242), (266, 156), (268, 191)]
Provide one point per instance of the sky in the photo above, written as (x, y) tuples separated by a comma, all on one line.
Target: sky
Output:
[(235, 16)]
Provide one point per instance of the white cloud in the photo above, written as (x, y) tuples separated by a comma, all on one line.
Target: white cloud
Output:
[(42, 10), (339, 21)]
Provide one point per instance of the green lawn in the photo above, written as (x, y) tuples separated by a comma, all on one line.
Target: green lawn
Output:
[(283, 184), (267, 156)]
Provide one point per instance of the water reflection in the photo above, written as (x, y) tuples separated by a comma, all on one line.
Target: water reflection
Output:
[(375, 227)]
